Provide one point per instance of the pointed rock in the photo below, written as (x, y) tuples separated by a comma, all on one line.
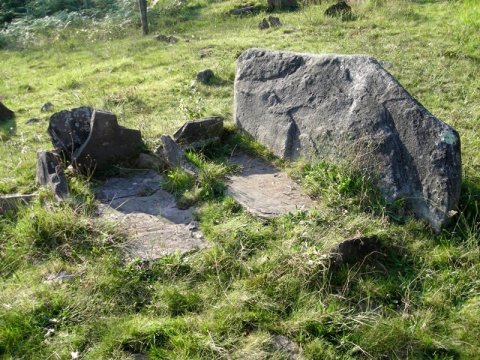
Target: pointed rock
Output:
[(174, 155), (50, 174), (199, 133)]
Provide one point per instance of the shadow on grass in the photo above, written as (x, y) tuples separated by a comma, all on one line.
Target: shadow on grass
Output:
[(8, 128)]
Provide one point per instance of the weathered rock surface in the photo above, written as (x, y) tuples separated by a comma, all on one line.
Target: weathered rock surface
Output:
[(174, 155), (166, 38), (50, 173), (353, 250), (264, 190), (289, 348), (274, 21), (107, 141), (205, 76), (69, 129), (5, 113), (149, 216), (199, 133), (350, 108), (10, 202), (245, 10)]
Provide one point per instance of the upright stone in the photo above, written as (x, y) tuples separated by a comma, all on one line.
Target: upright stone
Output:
[(69, 129), (340, 107), (174, 155), (106, 142), (50, 173)]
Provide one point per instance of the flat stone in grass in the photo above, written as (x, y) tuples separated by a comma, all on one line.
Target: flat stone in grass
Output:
[(12, 201), (149, 216), (264, 190)]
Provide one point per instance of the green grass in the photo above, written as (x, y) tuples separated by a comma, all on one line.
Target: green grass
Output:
[(416, 298)]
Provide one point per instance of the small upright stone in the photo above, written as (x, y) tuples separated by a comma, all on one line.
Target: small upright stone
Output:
[(5, 113), (199, 133), (274, 21), (263, 24), (175, 156), (205, 76), (50, 173), (47, 107)]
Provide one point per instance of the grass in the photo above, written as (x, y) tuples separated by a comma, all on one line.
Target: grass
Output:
[(416, 298)]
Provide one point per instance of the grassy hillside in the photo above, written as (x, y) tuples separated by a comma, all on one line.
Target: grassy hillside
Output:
[(417, 298)]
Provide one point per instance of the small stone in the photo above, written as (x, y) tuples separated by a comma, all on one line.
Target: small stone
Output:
[(148, 161), (47, 107), (50, 173), (263, 24), (11, 202), (204, 52), (32, 121), (5, 113), (290, 348), (274, 21), (339, 9), (59, 277), (166, 38), (353, 250), (205, 76), (175, 156), (200, 133)]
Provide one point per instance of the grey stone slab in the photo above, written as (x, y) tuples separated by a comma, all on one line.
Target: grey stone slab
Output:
[(264, 190), (349, 108), (174, 155), (200, 132), (153, 223)]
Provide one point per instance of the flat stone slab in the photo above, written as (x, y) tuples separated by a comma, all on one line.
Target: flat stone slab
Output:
[(149, 216), (264, 190)]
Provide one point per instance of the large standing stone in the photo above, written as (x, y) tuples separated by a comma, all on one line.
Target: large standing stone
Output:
[(199, 133), (350, 108), (69, 129), (5, 113), (50, 173), (106, 142)]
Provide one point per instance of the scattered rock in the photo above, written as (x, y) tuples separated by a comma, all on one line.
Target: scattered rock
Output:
[(263, 24), (106, 142), (286, 346), (69, 129), (32, 121), (174, 155), (59, 277), (282, 4), (47, 107), (5, 113), (205, 52), (264, 190), (166, 38), (199, 133), (50, 173), (339, 9), (149, 217), (205, 76), (245, 10), (349, 108), (148, 161), (274, 21), (353, 250), (11, 202)]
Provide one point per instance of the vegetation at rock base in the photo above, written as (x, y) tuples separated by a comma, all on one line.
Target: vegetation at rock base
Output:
[(417, 297)]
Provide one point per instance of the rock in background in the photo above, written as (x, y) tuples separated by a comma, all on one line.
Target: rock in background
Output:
[(348, 107), (5, 113)]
